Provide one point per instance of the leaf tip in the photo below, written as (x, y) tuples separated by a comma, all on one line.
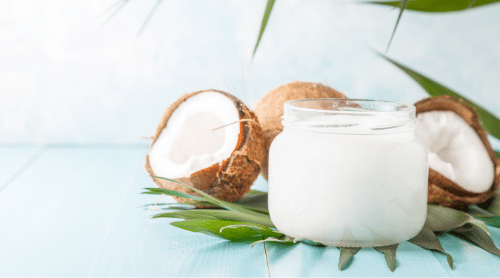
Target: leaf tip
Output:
[(450, 260)]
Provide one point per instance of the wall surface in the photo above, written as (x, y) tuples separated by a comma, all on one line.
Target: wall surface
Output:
[(68, 75)]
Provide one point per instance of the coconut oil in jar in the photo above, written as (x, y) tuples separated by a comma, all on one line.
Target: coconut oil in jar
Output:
[(348, 173)]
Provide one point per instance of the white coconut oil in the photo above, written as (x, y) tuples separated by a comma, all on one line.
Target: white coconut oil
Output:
[(348, 173)]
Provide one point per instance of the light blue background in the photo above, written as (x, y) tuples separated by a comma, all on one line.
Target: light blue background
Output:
[(65, 78)]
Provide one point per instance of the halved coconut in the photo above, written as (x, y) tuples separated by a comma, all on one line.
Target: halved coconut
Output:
[(269, 109), (461, 160), (209, 140)]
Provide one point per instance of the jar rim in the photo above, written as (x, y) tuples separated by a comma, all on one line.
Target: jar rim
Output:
[(402, 107), (353, 116)]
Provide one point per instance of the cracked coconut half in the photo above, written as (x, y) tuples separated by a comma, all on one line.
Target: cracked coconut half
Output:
[(461, 161), (269, 109), (209, 140)]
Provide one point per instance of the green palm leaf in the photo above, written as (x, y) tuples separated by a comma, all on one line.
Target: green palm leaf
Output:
[(265, 18), (488, 121), (492, 220), (240, 224), (402, 7), (436, 6), (428, 240), (256, 201), (440, 219), (284, 240), (346, 254), (162, 191), (477, 236), (214, 214), (261, 218), (389, 254), (216, 228)]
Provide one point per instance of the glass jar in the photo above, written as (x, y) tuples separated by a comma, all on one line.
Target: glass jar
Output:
[(348, 173)]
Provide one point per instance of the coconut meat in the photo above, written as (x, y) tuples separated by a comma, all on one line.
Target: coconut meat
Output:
[(455, 150), (194, 137)]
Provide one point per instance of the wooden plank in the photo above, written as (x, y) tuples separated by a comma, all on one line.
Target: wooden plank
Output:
[(471, 260), (304, 260), (138, 245), (76, 212), (15, 159), (55, 217)]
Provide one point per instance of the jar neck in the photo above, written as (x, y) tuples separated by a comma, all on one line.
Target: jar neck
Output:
[(349, 116)]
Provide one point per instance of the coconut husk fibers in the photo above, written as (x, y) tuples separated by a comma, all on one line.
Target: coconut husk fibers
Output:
[(269, 109), (443, 191), (230, 179)]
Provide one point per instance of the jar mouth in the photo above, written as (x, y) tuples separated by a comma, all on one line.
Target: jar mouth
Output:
[(355, 116)]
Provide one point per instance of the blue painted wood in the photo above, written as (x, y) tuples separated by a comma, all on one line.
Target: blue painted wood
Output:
[(138, 245), (56, 215), (13, 160), (77, 212)]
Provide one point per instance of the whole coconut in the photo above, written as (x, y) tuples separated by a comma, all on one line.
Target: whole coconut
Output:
[(269, 109)]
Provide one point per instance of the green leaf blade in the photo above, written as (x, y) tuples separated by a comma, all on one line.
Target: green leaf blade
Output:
[(402, 6), (433, 6), (428, 240), (440, 219), (259, 218), (145, 23), (254, 192), (213, 228), (121, 4), (175, 205), (189, 215), (207, 214), (346, 255), (284, 240), (255, 201), (492, 220), (488, 121), (477, 236), (265, 18), (310, 242), (160, 191), (260, 229), (389, 255)]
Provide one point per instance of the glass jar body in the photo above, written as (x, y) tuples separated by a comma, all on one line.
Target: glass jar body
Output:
[(351, 190)]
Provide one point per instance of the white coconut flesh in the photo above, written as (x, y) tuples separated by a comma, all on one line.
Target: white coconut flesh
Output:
[(455, 150), (193, 138)]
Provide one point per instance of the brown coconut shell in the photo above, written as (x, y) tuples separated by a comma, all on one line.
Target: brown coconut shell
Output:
[(230, 179), (269, 109), (443, 191)]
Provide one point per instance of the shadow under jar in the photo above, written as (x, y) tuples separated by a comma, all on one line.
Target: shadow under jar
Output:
[(348, 173)]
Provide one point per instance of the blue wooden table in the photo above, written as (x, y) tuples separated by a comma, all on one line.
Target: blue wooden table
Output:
[(76, 211)]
